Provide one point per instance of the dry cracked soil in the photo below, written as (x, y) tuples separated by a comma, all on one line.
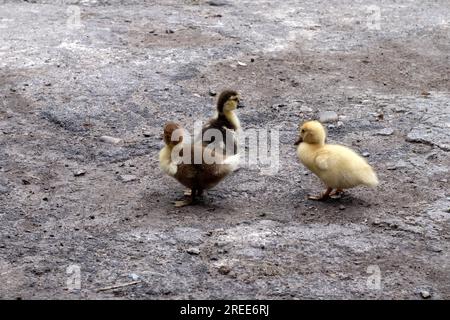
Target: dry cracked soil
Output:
[(74, 207)]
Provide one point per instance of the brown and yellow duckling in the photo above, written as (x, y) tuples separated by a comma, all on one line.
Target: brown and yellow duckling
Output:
[(225, 121), (193, 165)]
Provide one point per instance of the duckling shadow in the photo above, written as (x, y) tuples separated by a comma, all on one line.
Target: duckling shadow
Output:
[(205, 202), (346, 204)]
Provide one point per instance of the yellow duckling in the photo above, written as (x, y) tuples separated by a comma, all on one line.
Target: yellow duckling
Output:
[(337, 166), (193, 165)]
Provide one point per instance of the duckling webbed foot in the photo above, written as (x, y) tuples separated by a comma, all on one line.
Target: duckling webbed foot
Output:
[(337, 194), (183, 203), (321, 197), (190, 198)]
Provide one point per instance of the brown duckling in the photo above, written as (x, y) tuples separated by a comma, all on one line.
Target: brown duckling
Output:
[(225, 120)]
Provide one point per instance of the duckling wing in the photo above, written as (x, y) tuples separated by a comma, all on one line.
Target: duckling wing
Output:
[(341, 167), (330, 168), (187, 169), (222, 137), (322, 161)]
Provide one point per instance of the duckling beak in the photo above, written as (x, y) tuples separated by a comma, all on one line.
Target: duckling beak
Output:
[(299, 140)]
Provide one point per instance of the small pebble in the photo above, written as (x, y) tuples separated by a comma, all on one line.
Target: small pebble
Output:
[(397, 165), (328, 116), (217, 3), (193, 251), (385, 132), (79, 173), (111, 140), (306, 109), (342, 207), (133, 276), (399, 109), (224, 270), (425, 294), (128, 178)]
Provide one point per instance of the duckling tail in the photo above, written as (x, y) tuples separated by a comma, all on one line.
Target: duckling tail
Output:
[(371, 179), (233, 161)]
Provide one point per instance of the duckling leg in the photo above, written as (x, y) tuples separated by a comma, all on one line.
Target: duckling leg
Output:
[(188, 201), (323, 196), (337, 193)]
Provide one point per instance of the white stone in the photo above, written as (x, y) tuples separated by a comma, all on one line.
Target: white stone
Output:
[(328, 116), (111, 140)]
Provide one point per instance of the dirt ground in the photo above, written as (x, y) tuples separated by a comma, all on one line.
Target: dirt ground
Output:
[(73, 207)]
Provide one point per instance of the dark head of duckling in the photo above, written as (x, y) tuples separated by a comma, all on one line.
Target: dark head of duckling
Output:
[(229, 100)]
